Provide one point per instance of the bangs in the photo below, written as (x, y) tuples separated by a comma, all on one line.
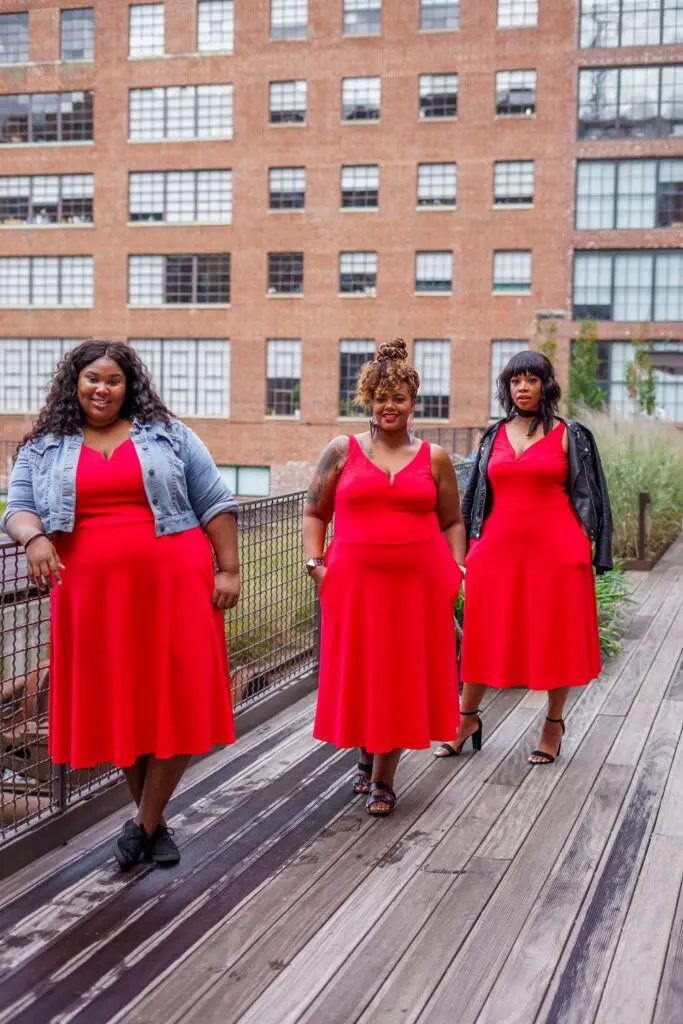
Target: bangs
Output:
[(528, 363)]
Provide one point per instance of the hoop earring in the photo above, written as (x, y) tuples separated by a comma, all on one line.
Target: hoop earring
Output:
[(374, 428)]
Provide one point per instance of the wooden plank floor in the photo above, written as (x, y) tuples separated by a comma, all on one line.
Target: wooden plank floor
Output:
[(496, 894)]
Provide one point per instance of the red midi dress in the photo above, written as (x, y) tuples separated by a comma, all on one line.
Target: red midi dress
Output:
[(388, 674), (530, 609), (138, 659)]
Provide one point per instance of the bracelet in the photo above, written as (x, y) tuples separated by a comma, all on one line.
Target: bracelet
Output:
[(34, 537)]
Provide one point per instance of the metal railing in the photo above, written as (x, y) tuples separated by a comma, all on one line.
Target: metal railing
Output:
[(460, 441), (271, 637)]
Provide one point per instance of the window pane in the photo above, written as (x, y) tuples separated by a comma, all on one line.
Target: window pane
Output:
[(192, 376), (515, 93), (433, 364), (181, 112), (439, 14), (77, 34), (146, 30), (599, 23), (14, 375), (640, 22), (287, 188), (289, 19), (214, 111), (288, 102), (633, 287), (181, 197), (592, 286), (14, 38), (360, 186), (146, 280), (45, 116), (213, 278), (637, 194), (434, 271), (147, 117), (672, 101), (639, 101), (436, 184), (360, 99), (14, 119), (668, 286), (76, 281), (598, 102), (76, 115), (285, 273), (670, 194), (353, 354), (595, 194), (215, 26), (283, 378), (253, 482), (15, 281), (672, 29), (438, 96), (512, 271), (362, 17), (517, 13), (146, 196), (15, 200), (514, 182), (358, 272), (214, 196)]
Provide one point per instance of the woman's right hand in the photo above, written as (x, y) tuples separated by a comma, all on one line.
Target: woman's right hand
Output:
[(43, 564)]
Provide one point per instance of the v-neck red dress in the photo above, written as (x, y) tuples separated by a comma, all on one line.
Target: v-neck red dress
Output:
[(388, 674), (138, 661), (530, 610)]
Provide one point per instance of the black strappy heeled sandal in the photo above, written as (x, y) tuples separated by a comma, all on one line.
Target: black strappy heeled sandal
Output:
[(380, 793), (477, 738), (361, 781), (547, 758)]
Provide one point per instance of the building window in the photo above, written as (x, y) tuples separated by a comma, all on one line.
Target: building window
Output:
[(439, 14), (513, 183), (192, 375), (438, 96), (517, 13), (285, 273), (433, 363), (631, 22), (360, 187), (288, 19), (354, 353), (360, 99), (180, 197), (27, 366), (46, 281), (287, 188), (283, 386), (614, 357), (77, 34), (362, 17), (181, 112), (628, 286), (358, 273), (46, 117), (47, 199), (501, 354), (288, 102), (512, 270), (436, 184), (515, 93), (629, 194), (638, 102), (14, 38), (215, 26), (247, 481), (146, 30), (179, 280), (434, 272)]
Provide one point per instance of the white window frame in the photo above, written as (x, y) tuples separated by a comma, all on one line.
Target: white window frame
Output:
[(432, 266), (517, 13), (27, 366), (283, 362), (279, 93), (361, 91), (512, 271), (363, 178), (359, 262), (432, 360), (46, 282), (162, 186), (146, 30), (182, 370), (449, 13), (233, 476), (355, 25), (429, 179), (288, 20), (514, 183), (181, 113), (215, 26)]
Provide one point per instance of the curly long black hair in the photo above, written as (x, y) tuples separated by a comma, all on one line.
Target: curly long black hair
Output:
[(62, 414), (531, 364)]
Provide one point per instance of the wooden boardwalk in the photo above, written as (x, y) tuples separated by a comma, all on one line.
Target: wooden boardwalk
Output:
[(496, 892)]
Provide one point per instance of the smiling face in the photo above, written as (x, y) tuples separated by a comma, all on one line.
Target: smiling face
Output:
[(392, 408), (525, 391), (101, 392)]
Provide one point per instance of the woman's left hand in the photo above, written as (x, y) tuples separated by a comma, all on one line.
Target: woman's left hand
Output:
[(226, 592)]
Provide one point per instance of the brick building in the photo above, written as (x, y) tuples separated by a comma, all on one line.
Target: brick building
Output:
[(255, 191)]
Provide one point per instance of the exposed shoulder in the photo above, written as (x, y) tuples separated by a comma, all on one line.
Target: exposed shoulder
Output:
[(338, 446), (440, 456)]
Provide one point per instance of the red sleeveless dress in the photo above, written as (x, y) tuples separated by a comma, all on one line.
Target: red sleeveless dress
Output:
[(138, 656), (388, 675), (530, 610)]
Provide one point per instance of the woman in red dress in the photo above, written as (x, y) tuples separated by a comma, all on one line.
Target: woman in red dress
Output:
[(535, 501), (388, 582), (121, 505)]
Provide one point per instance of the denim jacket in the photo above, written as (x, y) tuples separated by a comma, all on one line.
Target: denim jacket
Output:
[(183, 486)]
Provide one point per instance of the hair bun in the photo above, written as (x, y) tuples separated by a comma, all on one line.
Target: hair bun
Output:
[(393, 351)]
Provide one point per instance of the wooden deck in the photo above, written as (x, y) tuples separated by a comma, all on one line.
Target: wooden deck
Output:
[(496, 892)]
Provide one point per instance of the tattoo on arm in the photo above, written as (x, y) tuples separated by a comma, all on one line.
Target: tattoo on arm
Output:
[(329, 465)]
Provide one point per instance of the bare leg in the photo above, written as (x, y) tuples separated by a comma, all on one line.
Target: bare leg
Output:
[(160, 782), (551, 735), (383, 770), (135, 778), (470, 701)]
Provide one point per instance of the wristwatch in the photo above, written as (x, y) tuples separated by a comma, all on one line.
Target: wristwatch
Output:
[(314, 563)]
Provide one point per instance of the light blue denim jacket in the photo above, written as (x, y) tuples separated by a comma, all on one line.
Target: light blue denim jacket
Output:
[(183, 486)]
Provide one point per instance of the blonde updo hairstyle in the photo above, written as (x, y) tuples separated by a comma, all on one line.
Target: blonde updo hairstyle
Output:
[(387, 371)]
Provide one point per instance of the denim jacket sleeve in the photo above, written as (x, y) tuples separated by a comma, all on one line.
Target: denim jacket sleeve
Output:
[(20, 497), (208, 493)]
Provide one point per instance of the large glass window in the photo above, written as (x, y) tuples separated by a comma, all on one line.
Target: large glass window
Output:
[(436, 185), (288, 19), (438, 96), (513, 183), (14, 38), (283, 377), (285, 273), (192, 375), (180, 197), (27, 366), (77, 34), (432, 359), (433, 272), (179, 280), (46, 281), (628, 286), (215, 26), (439, 14), (354, 353), (181, 112), (501, 354), (361, 99), (146, 30), (512, 270), (46, 117), (287, 188), (629, 194), (360, 187), (288, 102), (362, 17), (247, 481), (631, 22), (637, 102), (517, 13), (614, 358), (47, 199), (515, 93), (358, 273)]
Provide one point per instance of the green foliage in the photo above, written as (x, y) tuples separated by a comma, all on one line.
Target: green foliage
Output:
[(548, 345), (640, 376), (583, 371)]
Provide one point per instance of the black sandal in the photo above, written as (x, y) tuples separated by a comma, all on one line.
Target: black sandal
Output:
[(547, 758), (380, 793), (477, 736), (361, 781)]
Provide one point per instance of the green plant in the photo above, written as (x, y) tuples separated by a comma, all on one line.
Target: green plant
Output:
[(640, 376), (583, 371), (613, 594), (548, 344)]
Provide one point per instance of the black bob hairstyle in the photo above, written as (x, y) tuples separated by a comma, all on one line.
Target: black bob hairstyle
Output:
[(531, 364)]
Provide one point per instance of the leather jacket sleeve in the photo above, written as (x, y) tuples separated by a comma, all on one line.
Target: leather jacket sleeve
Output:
[(467, 499), (603, 541)]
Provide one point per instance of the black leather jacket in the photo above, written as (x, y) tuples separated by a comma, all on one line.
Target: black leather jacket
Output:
[(586, 487)]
